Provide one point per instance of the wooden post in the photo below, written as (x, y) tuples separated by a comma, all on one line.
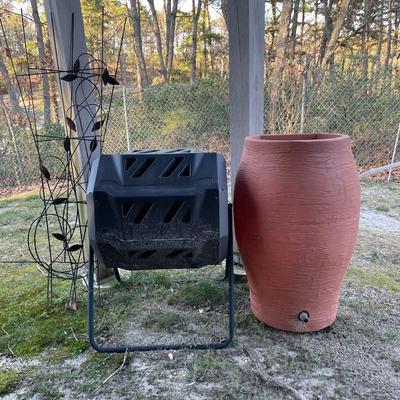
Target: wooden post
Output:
[(67, 38), (246, 76)]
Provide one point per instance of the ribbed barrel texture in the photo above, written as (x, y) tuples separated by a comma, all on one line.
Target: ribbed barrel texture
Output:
[(296, 209)]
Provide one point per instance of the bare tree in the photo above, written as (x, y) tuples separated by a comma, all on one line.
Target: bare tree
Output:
[(224, 9), (389, 36), (279, 62), (42, 62), (293, 33), (339, 22), (12, 93), (157, 33), (328, 26), (196, 10), (171, 11), (138, 43)]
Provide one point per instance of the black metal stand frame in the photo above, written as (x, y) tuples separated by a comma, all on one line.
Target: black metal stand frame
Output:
[(199, 346)]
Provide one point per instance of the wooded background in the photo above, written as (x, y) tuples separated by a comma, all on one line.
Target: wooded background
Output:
[(330, 66)]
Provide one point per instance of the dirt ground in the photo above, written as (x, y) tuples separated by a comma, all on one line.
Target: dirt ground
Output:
[(45, 355)]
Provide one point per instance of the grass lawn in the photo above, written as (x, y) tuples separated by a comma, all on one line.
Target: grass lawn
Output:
[(44, 352)]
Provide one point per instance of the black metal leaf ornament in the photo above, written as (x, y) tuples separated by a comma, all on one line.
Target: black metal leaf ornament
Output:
[(107, 78), (60, 237), (97, 125), (75, 247), (45, 172), (71, 123), (77, 66), (93, 144), (67, 144), (69, 77), (58, 201)]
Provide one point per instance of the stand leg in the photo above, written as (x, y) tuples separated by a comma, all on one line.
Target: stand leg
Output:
[(201, 346)]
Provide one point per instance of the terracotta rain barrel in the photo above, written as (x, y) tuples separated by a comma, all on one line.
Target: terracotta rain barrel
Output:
[(296, 210)]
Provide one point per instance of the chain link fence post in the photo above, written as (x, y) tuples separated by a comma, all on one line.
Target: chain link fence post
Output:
[(128, 143)]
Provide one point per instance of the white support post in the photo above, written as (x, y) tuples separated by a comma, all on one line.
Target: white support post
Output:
[(128, 141), (396, 144), (68, 42), (246, 19)]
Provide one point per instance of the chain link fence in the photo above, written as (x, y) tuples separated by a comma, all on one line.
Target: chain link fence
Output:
[(197, 116)]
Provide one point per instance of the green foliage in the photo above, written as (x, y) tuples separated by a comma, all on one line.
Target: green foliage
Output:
[(8, 380), (199, 294), (28, 326), (379, 280), (166, 321)]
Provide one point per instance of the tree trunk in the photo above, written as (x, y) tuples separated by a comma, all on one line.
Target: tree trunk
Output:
[(204, 37), (12, 93), (171, 12), (303, 16), (279, 64), (157, 33), (389, 37), (332, 43), (209, 40), (195, 19), (365, 39), (138, 44), (396, 39), (327, 9), (42, 63), (378, 54), (224, 9), (293, 33)]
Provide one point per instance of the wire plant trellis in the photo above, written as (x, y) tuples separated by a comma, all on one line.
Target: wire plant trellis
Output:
[(57, 236)]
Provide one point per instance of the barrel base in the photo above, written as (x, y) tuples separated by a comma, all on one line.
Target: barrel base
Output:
[(291, 323)]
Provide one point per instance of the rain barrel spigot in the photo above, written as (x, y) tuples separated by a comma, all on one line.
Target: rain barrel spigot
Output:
[(303, 316)]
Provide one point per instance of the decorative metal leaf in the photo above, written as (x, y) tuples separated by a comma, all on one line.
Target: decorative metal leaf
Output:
[(69, 77), (107, 78), (75, 247), (77, 66), (93, 144), (71, 123), (60, 237), (97, 125), (112, 81), (58, 201), (67, 144), (45, 172)]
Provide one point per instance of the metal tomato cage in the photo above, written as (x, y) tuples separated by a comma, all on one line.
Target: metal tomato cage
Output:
[(154, 209)]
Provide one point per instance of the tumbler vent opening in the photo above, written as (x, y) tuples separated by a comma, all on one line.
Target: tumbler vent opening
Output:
[(174, 164), (145, 166), (129, 162), (143, 212), (173, 211), (186, 171)]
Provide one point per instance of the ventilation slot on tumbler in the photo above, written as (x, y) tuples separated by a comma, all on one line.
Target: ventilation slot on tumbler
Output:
[(144, 167), (189, 255), (187, 217), (173, 165), (187, 171), (147, 254), (173, 211), (127, 207), (129, 162), (143, 212), (175, 253), (131, 253)]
